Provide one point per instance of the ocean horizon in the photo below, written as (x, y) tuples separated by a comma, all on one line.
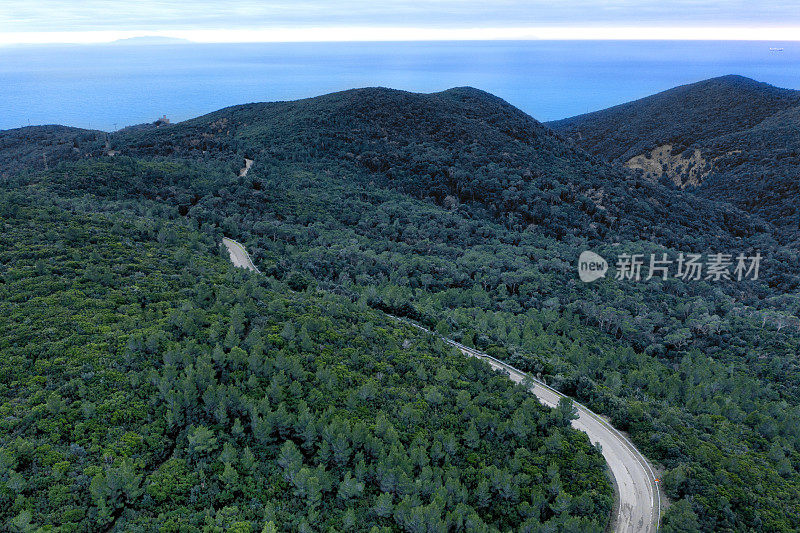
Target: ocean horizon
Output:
[(109, 87)]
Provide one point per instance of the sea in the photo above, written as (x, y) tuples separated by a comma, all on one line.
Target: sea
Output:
[(108, 87)]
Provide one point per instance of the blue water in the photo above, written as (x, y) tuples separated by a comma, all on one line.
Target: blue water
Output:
[(112, 86)]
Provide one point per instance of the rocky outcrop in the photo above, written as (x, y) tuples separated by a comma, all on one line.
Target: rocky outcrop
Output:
[(684, 169)]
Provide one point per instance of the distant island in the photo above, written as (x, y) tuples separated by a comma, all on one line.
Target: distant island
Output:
[(150, 39)]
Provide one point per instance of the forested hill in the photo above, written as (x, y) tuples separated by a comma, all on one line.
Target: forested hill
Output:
[(452, 208), (729, 138), (461, 145), (681, 116), (38, 147)]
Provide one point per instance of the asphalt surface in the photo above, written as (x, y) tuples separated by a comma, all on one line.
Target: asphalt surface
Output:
[(239, 256), (638, 500)]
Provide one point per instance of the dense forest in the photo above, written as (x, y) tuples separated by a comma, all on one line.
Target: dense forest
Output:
[(729, 138), (454, 209), (149, 386)]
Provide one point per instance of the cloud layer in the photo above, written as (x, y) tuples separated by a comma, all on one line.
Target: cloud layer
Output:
[(159, 15)]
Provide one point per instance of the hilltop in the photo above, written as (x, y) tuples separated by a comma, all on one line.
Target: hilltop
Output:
[(680, 116), (30, 148), (462, 145), (729, 138)]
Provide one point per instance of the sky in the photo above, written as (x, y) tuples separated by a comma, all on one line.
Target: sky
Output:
[(85, 21)]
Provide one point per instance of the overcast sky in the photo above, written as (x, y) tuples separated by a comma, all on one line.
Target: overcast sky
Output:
[(204, 20)]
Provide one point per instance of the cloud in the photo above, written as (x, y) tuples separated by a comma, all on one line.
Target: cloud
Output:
[(68, 15), (55, 17)]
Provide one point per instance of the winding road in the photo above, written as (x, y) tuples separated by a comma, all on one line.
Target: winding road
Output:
[(638, 499), (239, 256)]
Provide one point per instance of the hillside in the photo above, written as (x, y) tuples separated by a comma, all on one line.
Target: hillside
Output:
[(461, 212), (728, 138), (681, 116), (464, 144), (146, 385), (758, 170), (38, 147)]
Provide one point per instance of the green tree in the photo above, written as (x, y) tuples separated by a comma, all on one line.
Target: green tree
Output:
[(680, 517)]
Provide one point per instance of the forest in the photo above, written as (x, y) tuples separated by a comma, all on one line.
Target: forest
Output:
[(454, 209), (746, 133), (148, 385)]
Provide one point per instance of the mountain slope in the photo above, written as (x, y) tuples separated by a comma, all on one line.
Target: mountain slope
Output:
[(37, 147), (758, 169), (729, 138), (681, 116), (463, 145), (461, 212), (146, 385)]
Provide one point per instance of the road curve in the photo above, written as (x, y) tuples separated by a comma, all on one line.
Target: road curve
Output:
[(239, 256), (638, 504)]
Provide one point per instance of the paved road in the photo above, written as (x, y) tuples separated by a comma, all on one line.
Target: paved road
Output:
[(638, 504), (239, 256), (247, 164)]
